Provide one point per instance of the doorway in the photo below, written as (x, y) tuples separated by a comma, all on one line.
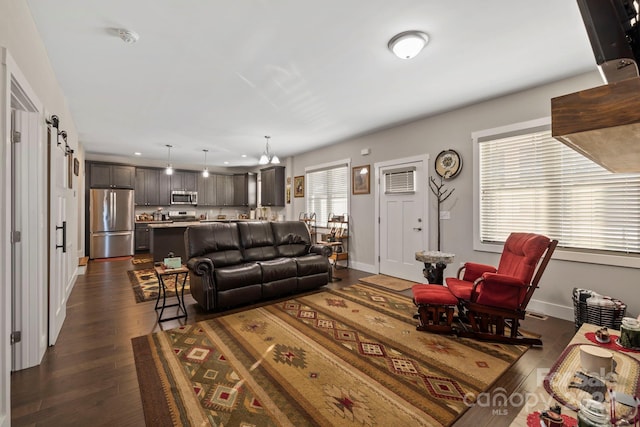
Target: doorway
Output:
[(401, 202)]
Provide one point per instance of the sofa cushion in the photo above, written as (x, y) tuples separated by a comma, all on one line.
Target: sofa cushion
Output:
[(292, 238), (220, 242), (237, 276), (312, 264), (279, 268), (257, 241)]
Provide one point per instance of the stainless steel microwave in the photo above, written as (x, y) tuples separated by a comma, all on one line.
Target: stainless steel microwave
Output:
[(184, 197)]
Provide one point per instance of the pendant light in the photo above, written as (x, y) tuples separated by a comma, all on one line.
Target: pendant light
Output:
[(267, 157), (169, 169), (205, 171)]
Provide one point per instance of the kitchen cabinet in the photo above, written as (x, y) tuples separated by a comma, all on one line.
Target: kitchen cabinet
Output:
[(105, 175), (152, 187), (272, 188), (142, 237), (244, 189), (184, 181), (207, 190), (224, 190)]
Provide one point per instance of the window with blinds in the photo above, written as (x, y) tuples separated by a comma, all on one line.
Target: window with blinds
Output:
[(327, 192), (532, 182), (400, 181)]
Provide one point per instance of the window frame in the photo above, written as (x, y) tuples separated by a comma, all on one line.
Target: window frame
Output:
[(330, 165), (586, 256)]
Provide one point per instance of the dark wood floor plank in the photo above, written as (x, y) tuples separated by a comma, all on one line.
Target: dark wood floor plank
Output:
[(89, 376)]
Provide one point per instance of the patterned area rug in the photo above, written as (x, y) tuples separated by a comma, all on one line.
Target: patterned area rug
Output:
[(145, 285), (387, 282), (141, 259), (333, 358)]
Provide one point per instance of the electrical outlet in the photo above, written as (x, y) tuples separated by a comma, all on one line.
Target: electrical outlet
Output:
[(445, 214)]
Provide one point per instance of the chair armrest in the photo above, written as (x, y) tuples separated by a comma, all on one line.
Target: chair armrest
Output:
[(320, 250), (498, 290), (473, 271), (200, 265)]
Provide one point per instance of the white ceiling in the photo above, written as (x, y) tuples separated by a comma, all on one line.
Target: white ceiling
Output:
[(222, 74)]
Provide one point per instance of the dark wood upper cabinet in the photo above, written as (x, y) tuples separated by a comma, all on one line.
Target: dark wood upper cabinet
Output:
[(244, 189), (184, 181), (207, 190), (272, 188), (105, 175), (224, 190)]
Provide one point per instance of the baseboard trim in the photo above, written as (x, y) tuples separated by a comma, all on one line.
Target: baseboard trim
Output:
[(550, 309), (363, 267)]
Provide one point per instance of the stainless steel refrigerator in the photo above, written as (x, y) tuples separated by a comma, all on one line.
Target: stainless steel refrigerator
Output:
[(111, 214)]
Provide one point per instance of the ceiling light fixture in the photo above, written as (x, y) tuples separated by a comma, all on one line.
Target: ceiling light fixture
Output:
[(205, 171), (169, 169), (267, 157), (408, 44), (128, 36)]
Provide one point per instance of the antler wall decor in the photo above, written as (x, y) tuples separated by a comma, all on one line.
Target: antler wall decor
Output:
[(442, 195)]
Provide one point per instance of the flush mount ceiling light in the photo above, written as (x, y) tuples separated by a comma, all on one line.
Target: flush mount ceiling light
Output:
[(408, 44), (169, 169), (127, 36), (267, 157), (205, 171)]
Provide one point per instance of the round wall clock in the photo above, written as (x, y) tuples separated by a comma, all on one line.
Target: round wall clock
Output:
[(448, 164)]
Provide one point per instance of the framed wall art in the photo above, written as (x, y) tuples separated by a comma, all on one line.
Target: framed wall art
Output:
[(361, 179), (298, 186)]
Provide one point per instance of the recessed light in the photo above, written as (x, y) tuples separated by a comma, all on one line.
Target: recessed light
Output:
[(244, 155), (408, 44), (226, 163), (137, 153)]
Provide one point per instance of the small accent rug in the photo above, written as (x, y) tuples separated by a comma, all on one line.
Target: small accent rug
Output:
[(145, 284), (335, 358), (388, 282), (141, 259)]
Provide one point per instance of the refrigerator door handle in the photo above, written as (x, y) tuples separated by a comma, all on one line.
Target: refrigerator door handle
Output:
[(112, 233)]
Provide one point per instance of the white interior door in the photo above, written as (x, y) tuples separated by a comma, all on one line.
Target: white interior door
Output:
[(403, 224), (59, 254)]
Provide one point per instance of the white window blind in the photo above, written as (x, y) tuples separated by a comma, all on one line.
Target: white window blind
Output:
[(327, 192), (400, 181), (532, 182)]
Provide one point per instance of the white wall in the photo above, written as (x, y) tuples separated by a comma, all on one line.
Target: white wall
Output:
[(452, 130), (22, 41)]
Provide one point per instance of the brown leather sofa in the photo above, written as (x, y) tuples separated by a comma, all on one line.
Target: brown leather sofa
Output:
[(239, 263)]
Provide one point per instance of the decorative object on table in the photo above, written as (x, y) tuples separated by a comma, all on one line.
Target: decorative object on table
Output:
[(596, 361), (172, 262), (361, 179), (448, 164), (563, 372), (534, 419), (630, 333), (602, 335), (552, 417), (441, 195), (591, 307), (434, 264), (593, 413), (613, 344), (365, 369), (298, 186)]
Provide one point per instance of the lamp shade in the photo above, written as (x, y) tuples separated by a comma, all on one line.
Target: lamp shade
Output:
[(408, 44)]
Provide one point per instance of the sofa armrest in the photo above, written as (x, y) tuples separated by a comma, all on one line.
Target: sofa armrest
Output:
[(200, 266), (320, 250)]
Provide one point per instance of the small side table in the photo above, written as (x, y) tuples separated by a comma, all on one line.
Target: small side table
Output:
[(162, 273), (434, 273), (335, 256)]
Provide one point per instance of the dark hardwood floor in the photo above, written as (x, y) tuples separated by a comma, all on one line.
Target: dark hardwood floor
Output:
[(89, 376)]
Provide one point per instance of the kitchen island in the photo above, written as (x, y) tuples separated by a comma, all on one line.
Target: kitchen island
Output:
[(168, 237)]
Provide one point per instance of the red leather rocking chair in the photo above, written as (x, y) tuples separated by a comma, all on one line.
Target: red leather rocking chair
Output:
[(495, 300)]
